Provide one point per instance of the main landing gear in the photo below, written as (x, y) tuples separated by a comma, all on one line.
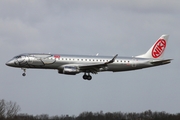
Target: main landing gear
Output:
[(24, 74), (87, 77)]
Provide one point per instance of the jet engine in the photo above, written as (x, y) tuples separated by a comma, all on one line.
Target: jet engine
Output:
[(69, 70)]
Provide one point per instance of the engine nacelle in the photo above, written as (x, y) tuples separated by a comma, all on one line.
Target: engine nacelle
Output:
[(70, 70)]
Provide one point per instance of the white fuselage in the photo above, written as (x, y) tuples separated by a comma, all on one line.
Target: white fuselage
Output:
[(74, 64), (55, 61)]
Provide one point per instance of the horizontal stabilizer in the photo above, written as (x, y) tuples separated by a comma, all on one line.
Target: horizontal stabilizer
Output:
[(161, 62)]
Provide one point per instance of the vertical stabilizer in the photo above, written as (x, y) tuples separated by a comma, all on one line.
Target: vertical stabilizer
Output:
[(158, 49)]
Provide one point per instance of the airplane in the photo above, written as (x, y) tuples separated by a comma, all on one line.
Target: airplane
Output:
[(87, 64)]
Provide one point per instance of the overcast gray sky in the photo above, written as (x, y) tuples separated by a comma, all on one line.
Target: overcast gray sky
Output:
[(88, 27)]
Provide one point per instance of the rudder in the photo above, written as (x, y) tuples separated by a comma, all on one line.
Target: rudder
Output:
[(158, 49)]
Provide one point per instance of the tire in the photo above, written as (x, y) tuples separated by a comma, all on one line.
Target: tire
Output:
[(89, 77), (24, 74), (85, 77)]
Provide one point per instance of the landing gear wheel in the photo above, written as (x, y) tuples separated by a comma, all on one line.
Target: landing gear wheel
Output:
[(85, 77), (24, 74), (89, 77)]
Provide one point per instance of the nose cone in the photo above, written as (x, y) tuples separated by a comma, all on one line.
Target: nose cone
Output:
[(10, 63)]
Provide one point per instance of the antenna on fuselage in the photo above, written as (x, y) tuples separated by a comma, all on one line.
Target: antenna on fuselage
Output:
[(97, 54)]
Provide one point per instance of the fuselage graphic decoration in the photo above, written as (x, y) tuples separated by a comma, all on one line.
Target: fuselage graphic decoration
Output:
[(74, 64)]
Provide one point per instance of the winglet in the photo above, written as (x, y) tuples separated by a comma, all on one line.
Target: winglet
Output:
[(113, 59)]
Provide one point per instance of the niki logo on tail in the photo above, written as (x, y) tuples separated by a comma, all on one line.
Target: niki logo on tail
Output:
[(158, 48), (88, 64)]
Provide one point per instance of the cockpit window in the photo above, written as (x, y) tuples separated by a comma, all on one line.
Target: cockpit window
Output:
[(18, 56)]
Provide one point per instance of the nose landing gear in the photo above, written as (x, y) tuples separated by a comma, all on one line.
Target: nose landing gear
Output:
[(24, 74)]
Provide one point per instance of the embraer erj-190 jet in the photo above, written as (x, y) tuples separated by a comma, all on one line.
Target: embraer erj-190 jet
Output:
[(74, 64)]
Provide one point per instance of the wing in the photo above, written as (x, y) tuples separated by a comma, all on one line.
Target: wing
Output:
[(93, 68)]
